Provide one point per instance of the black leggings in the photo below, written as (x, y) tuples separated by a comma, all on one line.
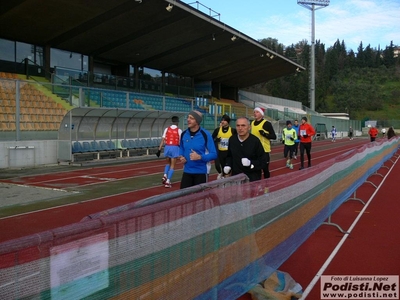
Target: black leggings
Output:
[(220, 162), (307, 147), (189, 179), (266, 169)]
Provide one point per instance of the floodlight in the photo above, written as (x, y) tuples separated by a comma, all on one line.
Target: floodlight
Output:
[(233, 38), (314, 2), (169, 7), (313, 5)]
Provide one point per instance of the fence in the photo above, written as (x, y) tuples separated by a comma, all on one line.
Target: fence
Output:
[(216, 243)]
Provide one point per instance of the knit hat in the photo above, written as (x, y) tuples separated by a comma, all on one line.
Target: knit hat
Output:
[(288, 122), (304, 118), (225, 118), (260, 110), (197, 116)]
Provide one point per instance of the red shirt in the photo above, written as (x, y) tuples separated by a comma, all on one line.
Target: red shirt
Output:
[(373, 132), (172, 136), (308, 130)]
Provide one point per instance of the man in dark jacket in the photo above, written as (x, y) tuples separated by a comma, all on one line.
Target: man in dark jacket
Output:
[(245, 152)]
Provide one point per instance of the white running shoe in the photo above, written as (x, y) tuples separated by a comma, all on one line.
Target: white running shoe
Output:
[(168, 184), (294, 156), (164, 179), (291, 166), (288, 163)]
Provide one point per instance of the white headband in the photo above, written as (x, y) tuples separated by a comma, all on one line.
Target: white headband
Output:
[(259, 110)]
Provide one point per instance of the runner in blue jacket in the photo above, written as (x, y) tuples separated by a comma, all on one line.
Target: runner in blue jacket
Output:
[(197, 149)]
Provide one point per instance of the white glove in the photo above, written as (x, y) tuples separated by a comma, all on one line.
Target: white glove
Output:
[(227, 170), (246, 162)]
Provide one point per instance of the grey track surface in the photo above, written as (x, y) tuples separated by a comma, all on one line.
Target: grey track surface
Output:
[(15, 194)]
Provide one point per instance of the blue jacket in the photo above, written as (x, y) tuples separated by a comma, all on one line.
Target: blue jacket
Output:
[(201, 142), (297, 131)]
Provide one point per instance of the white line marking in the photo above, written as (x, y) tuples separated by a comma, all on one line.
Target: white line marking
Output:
[(339, 245), (76, 203)]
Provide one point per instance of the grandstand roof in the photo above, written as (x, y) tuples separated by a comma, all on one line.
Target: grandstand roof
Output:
[(184, 41)]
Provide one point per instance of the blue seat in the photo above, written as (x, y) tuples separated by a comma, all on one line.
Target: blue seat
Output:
[(134, 144), (148, 143), (111, 145), (125, 144), (77, 147), (141, 143), (131, 144), (86, 147), (95, 146), (103, 146)]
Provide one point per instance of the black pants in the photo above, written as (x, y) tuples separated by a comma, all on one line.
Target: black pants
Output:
[(296, 148), (307, 148), (189, 179), (220, 162), (266, 169)]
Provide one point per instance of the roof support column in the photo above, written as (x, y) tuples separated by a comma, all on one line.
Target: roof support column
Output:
[(90, 70), (46, 54)]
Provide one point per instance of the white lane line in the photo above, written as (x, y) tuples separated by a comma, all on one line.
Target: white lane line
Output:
[(339, 245), (77, 203)]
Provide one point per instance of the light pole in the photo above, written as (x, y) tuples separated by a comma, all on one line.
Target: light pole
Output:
[(311, 5)]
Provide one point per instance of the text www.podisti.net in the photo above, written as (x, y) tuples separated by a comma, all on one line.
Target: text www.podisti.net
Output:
[(359, 287)]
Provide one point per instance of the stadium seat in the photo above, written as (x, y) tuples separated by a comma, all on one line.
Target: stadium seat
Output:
[(77, 147), (133, 144), (103, 146), (148, 143), (95, 146), (125, 144), (111, 145), (86, 147)]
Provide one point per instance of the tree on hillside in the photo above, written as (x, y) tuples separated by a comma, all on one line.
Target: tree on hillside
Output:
[(360, 56), (273, 44), (369, 57), (388, 56)]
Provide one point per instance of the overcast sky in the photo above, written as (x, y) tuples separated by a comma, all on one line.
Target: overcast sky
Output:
[(374, 22)]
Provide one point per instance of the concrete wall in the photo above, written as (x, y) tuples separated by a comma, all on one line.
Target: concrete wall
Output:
[(23, 154)]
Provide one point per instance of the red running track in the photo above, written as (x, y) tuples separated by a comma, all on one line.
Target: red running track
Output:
[(38, 221), (371, 248)]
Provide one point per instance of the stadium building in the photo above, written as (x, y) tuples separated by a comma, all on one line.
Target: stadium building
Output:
[(115, 72)]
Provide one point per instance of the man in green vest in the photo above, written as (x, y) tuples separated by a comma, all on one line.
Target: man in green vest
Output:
[(289, 136)]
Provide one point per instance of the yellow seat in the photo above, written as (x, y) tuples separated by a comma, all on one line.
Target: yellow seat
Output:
[(10, 117), (3, 126), (24, 118), (9, 109), (11, 126)]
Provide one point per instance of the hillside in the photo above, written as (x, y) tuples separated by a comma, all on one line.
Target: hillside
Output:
[(366, 85)]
